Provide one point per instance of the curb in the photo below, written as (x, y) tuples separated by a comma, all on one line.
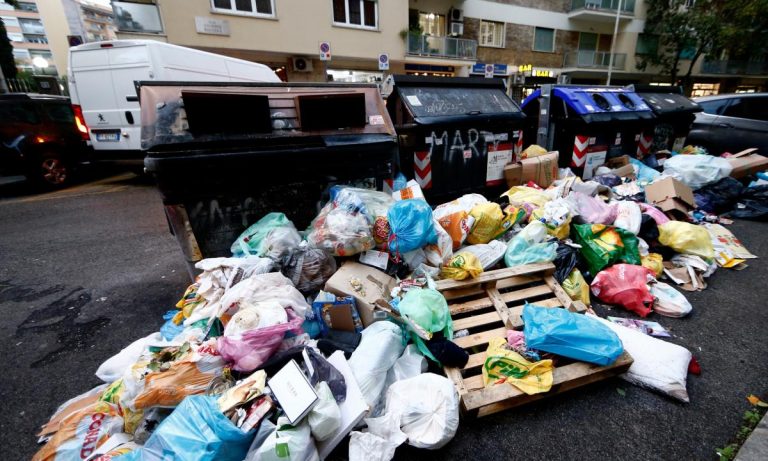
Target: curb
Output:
[(756, 446)]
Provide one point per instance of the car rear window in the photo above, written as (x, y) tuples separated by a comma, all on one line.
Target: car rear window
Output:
[(59, 113), (15, 112), (715, 107)]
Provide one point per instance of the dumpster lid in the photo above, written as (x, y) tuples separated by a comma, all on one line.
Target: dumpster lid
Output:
[(599, 103), (439, 100), (261, 114), (666, 99)]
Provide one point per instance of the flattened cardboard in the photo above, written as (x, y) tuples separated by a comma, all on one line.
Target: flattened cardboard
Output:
[(670, 195), (542, 170), (374, 284), (747, 162)]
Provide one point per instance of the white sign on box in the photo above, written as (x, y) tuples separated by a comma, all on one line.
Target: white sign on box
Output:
[(375, 258)]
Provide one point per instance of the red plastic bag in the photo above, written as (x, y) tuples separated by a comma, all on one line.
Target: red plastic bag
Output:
[(625, 285), (254, 347)]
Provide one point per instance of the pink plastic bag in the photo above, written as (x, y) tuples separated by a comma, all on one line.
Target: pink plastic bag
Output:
[(625, 285), (254, 347), (654, 213), (593, 209)]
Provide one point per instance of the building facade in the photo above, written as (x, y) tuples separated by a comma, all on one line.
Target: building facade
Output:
[(31, 47), (525, 42)]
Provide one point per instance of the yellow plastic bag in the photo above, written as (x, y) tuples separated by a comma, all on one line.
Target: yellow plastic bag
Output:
[(687, 239), (529, 195), (576, 287), (654, 262), (463, 265), (560, 232), (490, 222), (505, 366), (534, 150)]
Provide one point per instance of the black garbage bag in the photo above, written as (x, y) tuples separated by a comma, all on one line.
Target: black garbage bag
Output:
[(752, 204), (566, 259), (308, 268), (649, 230), (719, 197), (608, 179), (324, 371)]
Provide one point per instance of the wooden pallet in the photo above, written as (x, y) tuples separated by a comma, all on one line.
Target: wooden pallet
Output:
[(491, 304)]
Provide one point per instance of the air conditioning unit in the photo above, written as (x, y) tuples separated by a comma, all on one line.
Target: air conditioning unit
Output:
[(564, 79), (302, 65), (457, 28), (456, 15)]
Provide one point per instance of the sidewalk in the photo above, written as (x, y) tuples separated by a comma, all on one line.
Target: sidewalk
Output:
[(756, 446)]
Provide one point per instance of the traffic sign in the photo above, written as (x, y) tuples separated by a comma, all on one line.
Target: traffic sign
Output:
[(383, 61), (325, 51), (489, 71)]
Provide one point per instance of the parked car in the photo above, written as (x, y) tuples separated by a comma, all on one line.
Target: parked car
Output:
[(731, 123), (41, 138)]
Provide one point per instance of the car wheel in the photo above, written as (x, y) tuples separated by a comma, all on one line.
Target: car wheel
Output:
[(51, 171)]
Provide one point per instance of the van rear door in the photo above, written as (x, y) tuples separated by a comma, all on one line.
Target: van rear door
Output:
[(104, 81)]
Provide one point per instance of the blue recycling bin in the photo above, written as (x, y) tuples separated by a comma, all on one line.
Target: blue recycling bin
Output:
[(587, 124)]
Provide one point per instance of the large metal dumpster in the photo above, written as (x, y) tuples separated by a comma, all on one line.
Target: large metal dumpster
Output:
[(674, 117)]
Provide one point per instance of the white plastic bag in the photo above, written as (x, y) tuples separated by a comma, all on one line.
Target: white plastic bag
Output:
[(257, 315), (488, 253), (264, 287), (426, 408), (411, 363), (628, 216), (657, 365), (669, 302), (366, 446), (325, 418), (381, 345), (696, 171), (114, 367), (440, 253), (297, 440)]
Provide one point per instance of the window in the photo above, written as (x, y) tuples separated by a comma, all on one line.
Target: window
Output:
[(31, 26), (544, 40), (18, 113), (59, 113), (647, 44), (705, 89), (432, 24), (358, 13), (14, 37), (10, 21), (249, 7), (27, 6), (749, 108), (714, 107), (137, 17), (491, 34)]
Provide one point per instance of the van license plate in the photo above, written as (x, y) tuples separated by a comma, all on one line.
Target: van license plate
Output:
[(113, 136)]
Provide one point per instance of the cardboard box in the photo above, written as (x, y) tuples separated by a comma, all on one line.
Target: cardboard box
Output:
[(670, 195), (747, 162), (542, 170), (364, 283)]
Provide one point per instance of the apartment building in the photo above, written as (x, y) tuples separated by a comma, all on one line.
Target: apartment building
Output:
[(94, 20), (527, 42), (31, 47)]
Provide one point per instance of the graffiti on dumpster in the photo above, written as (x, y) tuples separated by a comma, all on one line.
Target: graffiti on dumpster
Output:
[(458, 147)]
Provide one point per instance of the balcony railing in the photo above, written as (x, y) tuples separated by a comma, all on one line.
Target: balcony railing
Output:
[(594, 60), (735, 67), (627, 6), (442, 47)]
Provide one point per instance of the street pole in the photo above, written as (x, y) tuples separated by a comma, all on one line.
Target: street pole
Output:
[(613, 43)]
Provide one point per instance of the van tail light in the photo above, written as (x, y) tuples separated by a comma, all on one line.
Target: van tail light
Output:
[(80, 122)]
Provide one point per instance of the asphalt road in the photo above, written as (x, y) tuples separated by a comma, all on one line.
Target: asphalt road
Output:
[(86, 270)]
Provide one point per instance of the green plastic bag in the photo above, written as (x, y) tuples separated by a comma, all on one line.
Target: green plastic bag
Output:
[(426, 312), (250, 242), (603, 246)]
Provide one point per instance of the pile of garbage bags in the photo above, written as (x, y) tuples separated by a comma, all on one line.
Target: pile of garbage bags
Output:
[(266, 357)]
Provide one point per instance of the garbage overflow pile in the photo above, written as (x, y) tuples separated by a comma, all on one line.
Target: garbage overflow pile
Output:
[(387, 317)]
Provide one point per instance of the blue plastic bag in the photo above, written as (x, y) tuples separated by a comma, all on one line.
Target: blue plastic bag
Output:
[(575, 336), (644, 172), (195, 431), (170, 330), (529, 247), (411, 226)]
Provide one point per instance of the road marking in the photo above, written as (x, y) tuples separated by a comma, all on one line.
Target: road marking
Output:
[(101, 186)]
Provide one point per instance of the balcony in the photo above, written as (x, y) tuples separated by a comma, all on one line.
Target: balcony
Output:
[(601, 10), (441, 47), (594, 60), (733, 67)]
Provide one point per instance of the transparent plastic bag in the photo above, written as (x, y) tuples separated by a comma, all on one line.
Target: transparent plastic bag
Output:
[(340, 232), (308, 268), (251, 241), (529, 246)]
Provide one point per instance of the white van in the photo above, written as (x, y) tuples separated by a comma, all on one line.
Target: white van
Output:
[(101, 76)]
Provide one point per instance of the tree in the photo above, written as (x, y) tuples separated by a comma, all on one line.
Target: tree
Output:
[(7, 63), (686, 33)]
